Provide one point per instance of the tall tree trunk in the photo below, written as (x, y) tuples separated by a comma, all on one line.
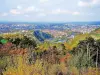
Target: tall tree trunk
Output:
[(88, 52), (97, 58)]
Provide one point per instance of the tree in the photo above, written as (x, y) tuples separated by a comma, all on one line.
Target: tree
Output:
[(29, 42), (87, 52)]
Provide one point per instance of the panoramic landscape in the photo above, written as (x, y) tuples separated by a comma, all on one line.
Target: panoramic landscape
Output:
[(49, 37)]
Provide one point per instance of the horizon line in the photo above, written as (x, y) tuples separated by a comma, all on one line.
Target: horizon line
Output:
[(48, 21)]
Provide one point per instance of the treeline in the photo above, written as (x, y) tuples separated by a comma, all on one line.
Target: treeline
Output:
[(22, 42)]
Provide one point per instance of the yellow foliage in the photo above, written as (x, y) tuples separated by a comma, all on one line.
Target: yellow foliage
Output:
[(25, 69), (38, 69), (12, 35), (73, 42), (74, 71), (93, 71)]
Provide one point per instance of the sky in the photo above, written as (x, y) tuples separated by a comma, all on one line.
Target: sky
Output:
[(49, 10)]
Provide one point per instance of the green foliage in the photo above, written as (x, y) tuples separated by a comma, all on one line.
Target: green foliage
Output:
[(4, 41), (23, 42), (85, 54), (29, 42)]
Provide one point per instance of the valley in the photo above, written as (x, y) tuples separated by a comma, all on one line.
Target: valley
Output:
[(49, 48)]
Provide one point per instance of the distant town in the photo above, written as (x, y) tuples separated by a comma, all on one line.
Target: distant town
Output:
[(55, 29)]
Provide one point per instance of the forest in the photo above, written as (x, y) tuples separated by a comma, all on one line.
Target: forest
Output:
[(24, 54)]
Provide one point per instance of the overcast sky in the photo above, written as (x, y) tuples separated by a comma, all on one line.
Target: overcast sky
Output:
[(49, 10)]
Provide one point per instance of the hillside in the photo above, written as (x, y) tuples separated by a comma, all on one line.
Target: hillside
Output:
[(41, 36), (96, 33)]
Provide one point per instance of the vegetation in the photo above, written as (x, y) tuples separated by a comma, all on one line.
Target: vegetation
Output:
[(41, 36), (21, 55)]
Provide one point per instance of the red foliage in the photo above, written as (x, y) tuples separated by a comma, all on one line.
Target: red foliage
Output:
[(6, 49), (65, 58), (20, 51), (6, 46)]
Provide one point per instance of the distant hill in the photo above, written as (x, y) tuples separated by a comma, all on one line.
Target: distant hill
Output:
[(41, 36)]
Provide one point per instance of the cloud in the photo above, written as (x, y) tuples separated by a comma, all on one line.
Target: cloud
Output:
[(15, 12), (19, 10), (81, 3), (26, 15), (43, 1), (62, 11), (95, 1), (88, 3), (29, 9), (42, 14), (4, 14), (76, 13), (19, 7)]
